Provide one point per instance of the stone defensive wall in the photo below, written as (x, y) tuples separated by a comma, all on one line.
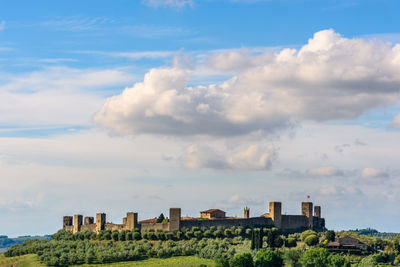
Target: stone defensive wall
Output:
[(227, 223), (310, 218)]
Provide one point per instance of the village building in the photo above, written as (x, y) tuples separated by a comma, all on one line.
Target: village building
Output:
[(345, 244), (213, 214)]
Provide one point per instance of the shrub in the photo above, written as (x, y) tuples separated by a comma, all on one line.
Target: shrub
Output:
[(330, 235), (121, 236), (242, 260), (337, 261), (317, 257), (160, 218), (240, 231), (222, 262), (290, 242), (228, 233), (248, 233), (218, 233), (169, 236), (292, 257), (268, 258), (114, 235), (307, 233), (128, 235), (278, 241), (311, 240), (371, 260)]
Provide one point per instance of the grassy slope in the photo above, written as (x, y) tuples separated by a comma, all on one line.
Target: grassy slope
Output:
[(31, 260), (21, 261)]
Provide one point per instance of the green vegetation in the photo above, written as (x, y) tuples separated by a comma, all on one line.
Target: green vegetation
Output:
[(189, 261), (6, 242), (230, 247)]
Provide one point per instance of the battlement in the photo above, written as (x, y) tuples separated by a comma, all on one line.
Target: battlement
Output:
[(274, 218)]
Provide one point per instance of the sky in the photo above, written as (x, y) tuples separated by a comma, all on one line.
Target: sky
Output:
[(117, 106)]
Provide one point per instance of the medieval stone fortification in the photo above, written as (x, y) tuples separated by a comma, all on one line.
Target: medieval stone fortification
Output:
[(208, 218)]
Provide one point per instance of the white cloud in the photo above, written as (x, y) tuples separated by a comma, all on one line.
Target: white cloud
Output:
[(329, 78), (251, 158), (169, 3), (75, 23), (133, 55), (339, 191), (374, 173), (328, 171), (55, 95), (396, 121), (155, 31), (2, 25)]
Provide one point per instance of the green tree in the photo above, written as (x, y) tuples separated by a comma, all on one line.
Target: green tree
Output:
[(316, 257), (121, 236), (307, 233), (90, 256), (114, 235), (136, 236), (290, 242), (330, 235), (268, 258), (311, 240), (242, 260), (278, 241), (292, 257), (256, 239), (160, 218), (223, 262), (337, 261), (129, 235)]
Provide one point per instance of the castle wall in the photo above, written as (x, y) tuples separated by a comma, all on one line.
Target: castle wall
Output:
[(319, 223), (69, 228), (89, 227), (155, 226), (272, 219), (114, 227), (227, 223), (292, 222)]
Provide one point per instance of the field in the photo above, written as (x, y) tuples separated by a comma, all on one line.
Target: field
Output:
[(32, 261)]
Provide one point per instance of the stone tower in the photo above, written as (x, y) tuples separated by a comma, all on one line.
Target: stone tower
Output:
[(174, 219), (131, 220), (307, 210), (88, 220), (100, 221), (77, 223), (246, 212), (275, 213), (67, 221), (317, 211)]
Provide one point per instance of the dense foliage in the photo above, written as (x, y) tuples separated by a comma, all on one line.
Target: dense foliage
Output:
[(230, 247)]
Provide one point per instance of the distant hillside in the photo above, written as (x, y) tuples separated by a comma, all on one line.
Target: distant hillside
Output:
[(6, 242), (375, 233)]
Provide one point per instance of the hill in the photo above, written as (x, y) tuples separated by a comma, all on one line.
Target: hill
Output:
[(6, 242)]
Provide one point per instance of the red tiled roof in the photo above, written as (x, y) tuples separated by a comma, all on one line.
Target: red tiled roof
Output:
[(154, 220), (211, 210)]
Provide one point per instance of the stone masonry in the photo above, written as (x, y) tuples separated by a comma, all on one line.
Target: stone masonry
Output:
[(274, 218)]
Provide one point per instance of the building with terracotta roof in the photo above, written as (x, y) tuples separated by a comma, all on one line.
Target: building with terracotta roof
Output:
[(345, 244), (213, 214)]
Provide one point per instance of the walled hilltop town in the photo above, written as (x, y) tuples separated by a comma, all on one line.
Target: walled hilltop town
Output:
[(310, 218)]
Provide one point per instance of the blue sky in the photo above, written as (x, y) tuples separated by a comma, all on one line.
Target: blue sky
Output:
[(142, 105)]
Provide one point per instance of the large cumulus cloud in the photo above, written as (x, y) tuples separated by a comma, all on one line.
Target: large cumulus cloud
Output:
[(330, 77), (253, 157)]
